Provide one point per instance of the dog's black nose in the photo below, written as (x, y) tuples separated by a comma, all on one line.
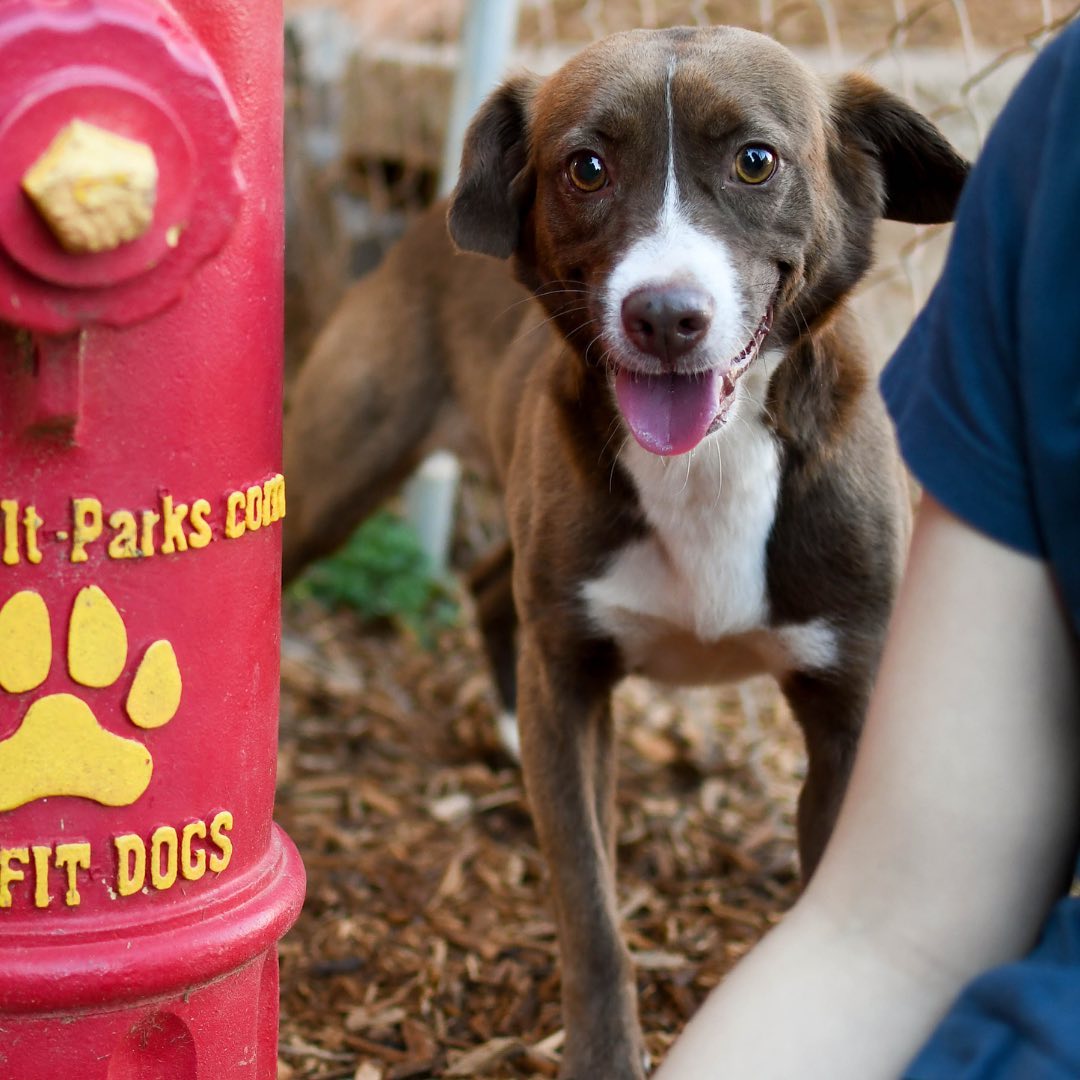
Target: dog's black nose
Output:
[(667, 321)]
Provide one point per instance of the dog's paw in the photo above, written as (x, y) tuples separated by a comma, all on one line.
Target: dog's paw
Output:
[(60, 747), (509, 738)]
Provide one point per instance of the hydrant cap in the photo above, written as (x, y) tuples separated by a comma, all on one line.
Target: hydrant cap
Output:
[(95, 189), (118, 174)]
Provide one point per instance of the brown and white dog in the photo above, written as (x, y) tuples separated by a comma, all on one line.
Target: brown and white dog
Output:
[(700, 480)]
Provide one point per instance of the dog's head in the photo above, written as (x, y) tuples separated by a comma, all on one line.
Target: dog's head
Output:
[(677, 199)]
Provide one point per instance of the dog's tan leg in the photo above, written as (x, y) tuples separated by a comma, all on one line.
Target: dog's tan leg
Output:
[(491, 584), (569, 774), (830, 714), (364, 400)]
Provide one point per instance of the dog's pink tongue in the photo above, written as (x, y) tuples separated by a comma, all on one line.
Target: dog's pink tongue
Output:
[(668, 414)]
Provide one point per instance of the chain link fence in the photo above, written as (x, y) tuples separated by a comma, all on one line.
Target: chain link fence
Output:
[(371, 83)]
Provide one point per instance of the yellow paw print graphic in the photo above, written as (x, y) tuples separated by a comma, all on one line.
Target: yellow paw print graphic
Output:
[(60, 748)]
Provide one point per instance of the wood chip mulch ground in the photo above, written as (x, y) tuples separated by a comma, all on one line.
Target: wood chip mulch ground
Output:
[(426, 946)]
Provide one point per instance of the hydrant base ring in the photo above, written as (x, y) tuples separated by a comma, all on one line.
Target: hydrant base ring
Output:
[(140, 961)]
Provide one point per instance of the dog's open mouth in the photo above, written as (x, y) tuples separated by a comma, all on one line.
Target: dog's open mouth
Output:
[(670, 414)]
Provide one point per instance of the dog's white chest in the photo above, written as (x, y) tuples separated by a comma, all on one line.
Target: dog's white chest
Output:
[(689, 603)]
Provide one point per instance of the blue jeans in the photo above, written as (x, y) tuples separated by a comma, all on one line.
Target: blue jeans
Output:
[(1017, 1022)]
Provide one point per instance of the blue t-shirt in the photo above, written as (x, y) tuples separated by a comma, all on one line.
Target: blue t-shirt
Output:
[(985, 395)]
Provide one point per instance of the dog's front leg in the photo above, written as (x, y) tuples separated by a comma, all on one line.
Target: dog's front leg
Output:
[(830, 712), (564, 712), (491, 584)]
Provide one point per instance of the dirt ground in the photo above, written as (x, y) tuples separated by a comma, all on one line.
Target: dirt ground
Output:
[(426, 946)]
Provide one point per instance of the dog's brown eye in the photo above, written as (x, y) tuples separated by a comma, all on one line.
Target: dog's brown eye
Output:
[(587, 171), (755, 164)]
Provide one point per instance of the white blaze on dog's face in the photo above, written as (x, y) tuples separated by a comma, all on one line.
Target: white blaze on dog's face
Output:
[(676, 298)]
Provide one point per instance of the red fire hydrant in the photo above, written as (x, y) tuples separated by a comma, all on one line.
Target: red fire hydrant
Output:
[(143, 885)]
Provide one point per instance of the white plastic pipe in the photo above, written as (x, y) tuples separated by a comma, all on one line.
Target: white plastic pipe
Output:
[(487, 42), (430, 496)]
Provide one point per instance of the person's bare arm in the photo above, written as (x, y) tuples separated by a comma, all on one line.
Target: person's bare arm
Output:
[(957, 834)]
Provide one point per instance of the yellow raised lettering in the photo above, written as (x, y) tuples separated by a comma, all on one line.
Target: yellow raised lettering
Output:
[(234, 528), (31, 523), (10, 509), (124, 545), (42, 855), (268, 503), (87, 515), (277, 497), (221, 824), (72, 858), (192, 860), (201, 534), (146, 543), (163, 839), (130, 863), (253, 508), (9, 873), (172, 526)]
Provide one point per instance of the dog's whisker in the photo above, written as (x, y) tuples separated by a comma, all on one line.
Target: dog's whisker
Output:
[(593, 341), (719, 472), (800, 317), (615, 461), (686, 479), (548, 321), (602, 362), (542, 293), (613, 429), (762, 406)]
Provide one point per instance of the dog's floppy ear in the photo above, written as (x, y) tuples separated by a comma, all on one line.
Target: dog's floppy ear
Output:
[(922, 173), (494, 185)]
